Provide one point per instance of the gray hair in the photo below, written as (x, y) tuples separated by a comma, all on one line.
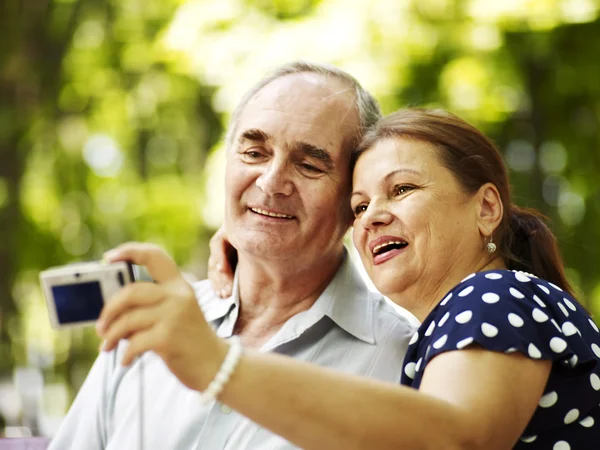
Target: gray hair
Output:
[(368, 108)]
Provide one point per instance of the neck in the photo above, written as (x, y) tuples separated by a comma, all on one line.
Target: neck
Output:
[(270, 294), (420, 302)]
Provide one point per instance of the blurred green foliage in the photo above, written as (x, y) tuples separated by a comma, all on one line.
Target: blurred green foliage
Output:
[(112, 113)]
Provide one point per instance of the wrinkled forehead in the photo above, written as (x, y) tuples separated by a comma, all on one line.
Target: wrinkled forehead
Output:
[(307, 107)]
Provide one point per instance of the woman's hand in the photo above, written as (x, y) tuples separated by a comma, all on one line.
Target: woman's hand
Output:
[(163, 317), (221, 264)]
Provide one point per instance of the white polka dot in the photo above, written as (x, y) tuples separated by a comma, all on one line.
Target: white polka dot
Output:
[(493, 276), (558, 345), (447, 299), (490, 297), (430, 328), (563, 309), (548, 399), (534, 352), (544, 288), (528, 439), (596, 350), (464, 343), (440, 342), (539, 302), (570, 304), (572, 416), (595, 382), (539, 315), (409, 370), (443, 319), (522, 277), (588, 422), (556, 325), (464, 316), (418, 366), (573, 361), (511, 350), (555, 286), (468, 277), (516, 293), (466, 291), (561, 445), (489, 330), (515, 320), (594, 326), (414, 338), (569, 329)]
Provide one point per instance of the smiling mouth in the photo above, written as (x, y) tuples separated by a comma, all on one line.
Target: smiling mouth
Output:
[(382, 249), (263, 212)]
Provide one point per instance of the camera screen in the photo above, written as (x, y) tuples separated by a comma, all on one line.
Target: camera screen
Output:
[(80, 302)]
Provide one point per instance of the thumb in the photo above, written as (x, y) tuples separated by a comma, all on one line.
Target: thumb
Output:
[(158, 263)]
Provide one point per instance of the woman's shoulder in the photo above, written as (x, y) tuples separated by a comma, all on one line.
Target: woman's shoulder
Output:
[(507, 311), (509, 288)]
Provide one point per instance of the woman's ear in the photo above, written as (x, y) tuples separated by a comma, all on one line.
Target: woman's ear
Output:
[(489, 208)]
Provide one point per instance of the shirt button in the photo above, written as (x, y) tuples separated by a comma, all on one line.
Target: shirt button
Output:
[(225, 409)]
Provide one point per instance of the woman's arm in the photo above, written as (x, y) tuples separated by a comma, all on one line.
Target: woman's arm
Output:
[(469, 399)]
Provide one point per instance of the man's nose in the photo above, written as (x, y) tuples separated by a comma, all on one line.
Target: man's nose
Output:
[(376, 215), (275, 180)]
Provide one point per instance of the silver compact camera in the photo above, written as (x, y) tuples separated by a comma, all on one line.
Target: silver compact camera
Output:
[(75, 294)]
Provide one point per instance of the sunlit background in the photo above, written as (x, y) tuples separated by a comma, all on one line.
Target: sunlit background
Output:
[(112, 115)]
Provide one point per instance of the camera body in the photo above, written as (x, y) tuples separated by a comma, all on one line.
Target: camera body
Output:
[(76, 293)]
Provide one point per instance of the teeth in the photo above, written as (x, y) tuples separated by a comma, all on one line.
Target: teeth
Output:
[(270, 214), (380, 246)]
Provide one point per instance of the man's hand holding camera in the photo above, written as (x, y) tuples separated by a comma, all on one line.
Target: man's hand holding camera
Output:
[(163, 317)]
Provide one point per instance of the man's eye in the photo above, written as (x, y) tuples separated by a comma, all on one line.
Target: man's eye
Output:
[(252, 155), (310, 168)]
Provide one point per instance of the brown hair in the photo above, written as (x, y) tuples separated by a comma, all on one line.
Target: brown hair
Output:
[(524, 240)]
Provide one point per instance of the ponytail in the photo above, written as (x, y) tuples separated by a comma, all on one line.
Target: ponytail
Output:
[(530, 246)]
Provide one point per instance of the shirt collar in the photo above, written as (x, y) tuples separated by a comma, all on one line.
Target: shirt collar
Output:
[(347, 301)]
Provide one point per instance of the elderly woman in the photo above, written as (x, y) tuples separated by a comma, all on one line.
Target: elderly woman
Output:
[(505, 356)]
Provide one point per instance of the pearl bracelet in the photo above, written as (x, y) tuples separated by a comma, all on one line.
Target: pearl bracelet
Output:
[(227, 367)]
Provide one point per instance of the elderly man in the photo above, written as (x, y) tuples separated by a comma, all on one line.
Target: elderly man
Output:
[(295, 290)]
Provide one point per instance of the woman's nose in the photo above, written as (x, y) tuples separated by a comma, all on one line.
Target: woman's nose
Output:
[(376, 215)]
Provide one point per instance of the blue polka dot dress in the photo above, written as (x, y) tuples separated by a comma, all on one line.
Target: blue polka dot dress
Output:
[(507, 311)]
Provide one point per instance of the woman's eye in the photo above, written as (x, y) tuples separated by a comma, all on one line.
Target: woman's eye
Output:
[(359, 209), (402, 189)]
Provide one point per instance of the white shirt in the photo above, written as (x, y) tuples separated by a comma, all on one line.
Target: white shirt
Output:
[(348, 328)]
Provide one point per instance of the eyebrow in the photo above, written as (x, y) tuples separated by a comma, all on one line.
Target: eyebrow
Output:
[(254, 134), (312, 151), (390, 175)]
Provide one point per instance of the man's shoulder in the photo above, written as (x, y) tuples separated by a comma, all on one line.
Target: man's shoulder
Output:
[(391, 319), (205, 294)]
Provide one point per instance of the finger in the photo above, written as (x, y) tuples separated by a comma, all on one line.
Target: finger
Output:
[(159, 264), (133, 295), (139, 343), (216, 279), (130, 323), (218, 255)]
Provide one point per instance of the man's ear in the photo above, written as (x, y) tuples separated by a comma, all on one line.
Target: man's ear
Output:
[(489, 208)]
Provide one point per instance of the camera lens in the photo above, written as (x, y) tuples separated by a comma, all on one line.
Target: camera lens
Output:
[(77, 275)]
